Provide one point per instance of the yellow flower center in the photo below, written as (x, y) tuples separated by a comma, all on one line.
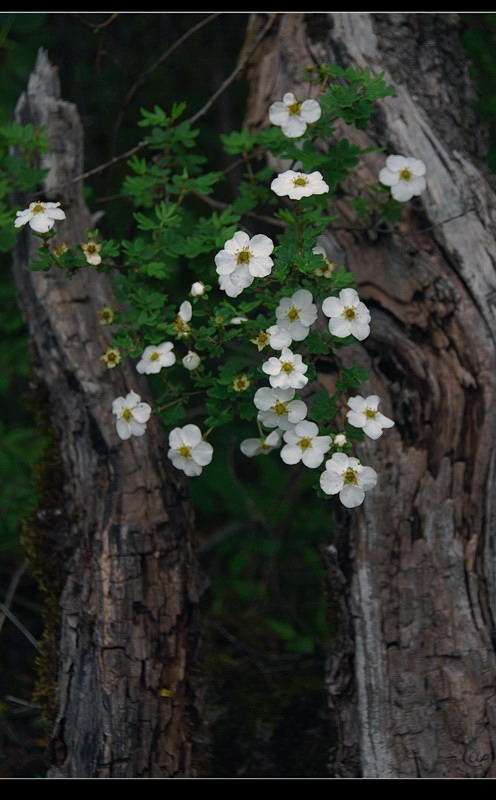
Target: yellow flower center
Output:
[(155, 356), (38, 209), (300, 181), (405, 175), (295, 107), (287, 367), (349, 313), (350, 476), (293, 314), (184, 451), (305, 443), (243, 257), (280, 408), (127, 414), (262, 340), (241, 383), (370, 413)]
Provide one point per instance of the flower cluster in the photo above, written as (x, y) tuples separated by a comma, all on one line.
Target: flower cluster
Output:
[(287, 420)]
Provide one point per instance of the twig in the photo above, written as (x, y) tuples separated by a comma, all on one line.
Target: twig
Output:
[(19, 625), (93, 25), (147, 72), (236, 71), (102, 167), (14, 583), (221, 206)]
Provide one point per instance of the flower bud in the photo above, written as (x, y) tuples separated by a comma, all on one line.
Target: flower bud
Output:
[(191, 360), (197, 289)]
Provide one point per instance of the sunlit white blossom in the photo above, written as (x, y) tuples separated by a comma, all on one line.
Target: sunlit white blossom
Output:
[(293, 116), (156, 356), (277, 408), (364, 414), (297, 184), (303, 443), (41, 216), (191, 360), (262, 445), (132, 415), (347, 476), (188, 451), (297, 313), (287, 371), (348, 315), (405, 177), (242, 260)]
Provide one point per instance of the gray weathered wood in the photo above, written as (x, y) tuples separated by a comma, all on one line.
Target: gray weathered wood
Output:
[(114, 534), (413, 671)]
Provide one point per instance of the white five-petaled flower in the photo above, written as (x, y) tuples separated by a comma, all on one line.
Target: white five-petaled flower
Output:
[(364, 414), (303, 443), (287, 371), (262, 445), (91, 250), (297, 184), (242, 260), (347, 476), (156, 356), (188, 451), (405, 177), (348, 315), (297, 313), (277, 408), (191, 360), (293, 116), (41, 216), (132, 415)]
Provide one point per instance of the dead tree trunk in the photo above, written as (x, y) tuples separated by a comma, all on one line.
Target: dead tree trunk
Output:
[(413, 671), (112, 538)]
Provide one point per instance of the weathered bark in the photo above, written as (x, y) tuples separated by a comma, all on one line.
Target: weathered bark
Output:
[(413, 671), (114, 536)]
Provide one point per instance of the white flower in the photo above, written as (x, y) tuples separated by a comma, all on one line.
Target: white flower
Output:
[(91, 252), (188, 451), (156, 356), (405, 176), (279, 337), (132, 415), (287, 371), (327, 270), (41, 216), (242, 260), (303, 443), (278, 409), (340, 440), (292, 116), (238, 320), (183, 317), (191, 360), (348, 477), (348, 315), (262, 445), (197, 289), (297, 313), (364, 414), (297, 185)]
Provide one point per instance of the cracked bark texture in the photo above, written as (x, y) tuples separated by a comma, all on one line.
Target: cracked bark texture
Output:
[(412, 676), (118, 529)]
